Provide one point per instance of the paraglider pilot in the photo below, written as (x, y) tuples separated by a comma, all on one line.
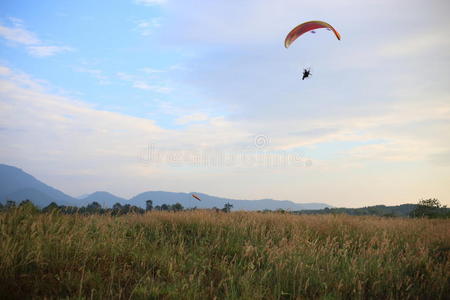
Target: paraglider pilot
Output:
[(306, 73)]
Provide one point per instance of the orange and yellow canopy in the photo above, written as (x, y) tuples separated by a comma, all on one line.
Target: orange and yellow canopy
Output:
[(305, 27)]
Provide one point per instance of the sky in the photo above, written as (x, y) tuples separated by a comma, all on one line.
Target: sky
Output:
[(201, 96)]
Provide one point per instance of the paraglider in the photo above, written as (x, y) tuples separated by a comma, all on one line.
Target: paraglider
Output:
[(310, 26), (196, 197), (306, 73)]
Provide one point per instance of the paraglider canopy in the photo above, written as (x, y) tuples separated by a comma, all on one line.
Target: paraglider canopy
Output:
[(305, 27), (196, 197)]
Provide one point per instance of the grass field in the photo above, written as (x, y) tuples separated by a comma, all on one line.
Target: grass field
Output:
[(207, 255)]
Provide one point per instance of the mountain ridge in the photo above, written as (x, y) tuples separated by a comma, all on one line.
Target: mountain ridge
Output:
[(13, 180), (17, 185)]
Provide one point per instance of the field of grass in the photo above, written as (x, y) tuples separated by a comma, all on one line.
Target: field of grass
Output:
[(208, 255)]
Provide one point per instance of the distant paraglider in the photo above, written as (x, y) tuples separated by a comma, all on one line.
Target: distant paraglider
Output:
[(196, 197), (310, 26), (306, 73)]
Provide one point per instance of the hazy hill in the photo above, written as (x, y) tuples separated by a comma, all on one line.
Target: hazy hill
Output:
[(105, 199), (39, 198), (16, 183)]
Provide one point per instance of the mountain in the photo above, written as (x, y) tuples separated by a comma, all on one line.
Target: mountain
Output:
[(18, 186), (207, 201), (105, 199)]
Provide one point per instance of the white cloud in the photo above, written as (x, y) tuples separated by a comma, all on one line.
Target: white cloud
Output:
[(141, 82), (409, 130), (4, 71), (69, 131), (97, 74), (124, 76), (152, 71), (155, 88), (42, 51), (18, 34), (146, 27), (197, 117), (419, 44)]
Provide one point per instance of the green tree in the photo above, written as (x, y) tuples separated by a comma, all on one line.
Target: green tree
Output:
[(116, 209), (136, 210), (429, 208), (10, 204), (126, 209), (51, 207), (25, 202), (94, 208), (148, 205), (177, 207), (28, 206), (227, 207)]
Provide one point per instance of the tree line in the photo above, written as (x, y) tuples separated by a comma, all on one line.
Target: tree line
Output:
[(96, 208), (425, 208)]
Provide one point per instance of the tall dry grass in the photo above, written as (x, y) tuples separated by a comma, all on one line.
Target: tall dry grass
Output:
[(207, 255)]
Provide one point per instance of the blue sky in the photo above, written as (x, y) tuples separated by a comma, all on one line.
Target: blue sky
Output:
[(88, 87)]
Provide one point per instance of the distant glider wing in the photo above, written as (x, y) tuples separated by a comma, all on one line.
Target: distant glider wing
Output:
[(196, 197), (305, 27)]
